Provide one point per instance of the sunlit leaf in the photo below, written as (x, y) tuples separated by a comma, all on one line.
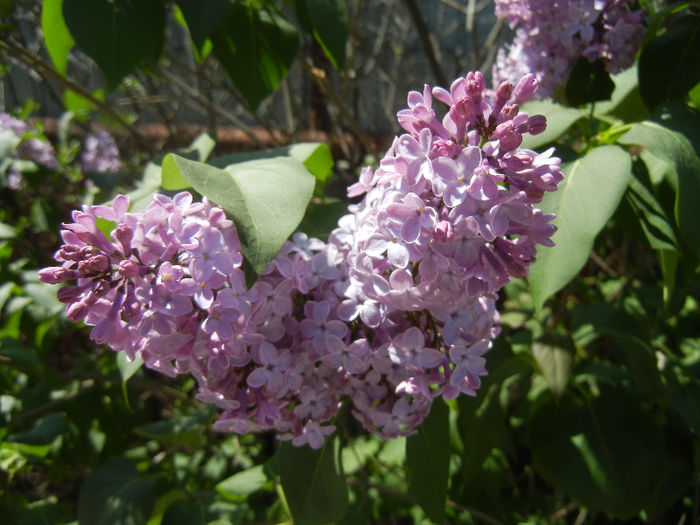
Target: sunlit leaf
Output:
[(265, 198), (428, 461), (559, 119), (313, 481), (56, 35), (555, 358), (586, 199), (243, 483), (672, 135)]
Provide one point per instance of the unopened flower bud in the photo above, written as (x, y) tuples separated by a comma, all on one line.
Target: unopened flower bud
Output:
[(68, 252), (124, 235), (95, 265), (55, 275), (536, 124), (129, 268), (525, 89)]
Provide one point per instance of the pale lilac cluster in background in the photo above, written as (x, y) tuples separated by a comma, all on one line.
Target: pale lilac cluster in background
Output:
[(28, 148), (100, 153), (552, 35), (395, 310)]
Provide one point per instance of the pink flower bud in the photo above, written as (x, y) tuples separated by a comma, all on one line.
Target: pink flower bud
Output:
[(536, 124), (129, 268), (55, 275), (525, 89), (444, 231)]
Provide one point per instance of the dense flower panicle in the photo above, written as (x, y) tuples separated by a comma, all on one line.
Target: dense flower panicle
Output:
[(396, 309), (30, 148), (100, 153), (551, 35)]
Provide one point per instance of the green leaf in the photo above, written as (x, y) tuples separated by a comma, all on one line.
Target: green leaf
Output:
[(56, 35), (428, 461), (482, 419), (7, 231), (322, 218), (328, 23), (669, 65), (559, 119), (127, 368), (626, 102), (149, 184), (43, 512), (586, 199), (199, 150), (358, 452), (78, 104), (672, 135), (655, 224), (118, 36), (605, 453), (265, 198), (555, 358), (44, 431), (114, 493), (184, 430), (256, 48), (243, 483), (203, 17), (313, 481), (316, 157), (207, 511), (588, 82), (676, 476), (668, 261)]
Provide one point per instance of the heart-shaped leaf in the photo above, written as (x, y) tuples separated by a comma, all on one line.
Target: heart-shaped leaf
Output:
[(266, 199), (118, 36), (586, 199)]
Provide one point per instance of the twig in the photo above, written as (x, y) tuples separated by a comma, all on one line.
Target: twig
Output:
[(424, 34), (561, 513), (37, 64), (490, 45), (473, 37), (375, 59), (201, 100), (85, 385), (319, 77)]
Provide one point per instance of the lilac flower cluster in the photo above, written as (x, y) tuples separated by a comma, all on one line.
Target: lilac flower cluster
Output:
[(396, 309), (552, 34), (100, 153), (28, 147)]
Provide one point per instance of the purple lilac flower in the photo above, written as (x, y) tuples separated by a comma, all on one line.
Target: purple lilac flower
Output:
[(398, 308), (100, 153), (551, 36), (28, 147)]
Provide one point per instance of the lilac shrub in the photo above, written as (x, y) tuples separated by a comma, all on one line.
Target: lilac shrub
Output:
[(552, 34), (396, 309)]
